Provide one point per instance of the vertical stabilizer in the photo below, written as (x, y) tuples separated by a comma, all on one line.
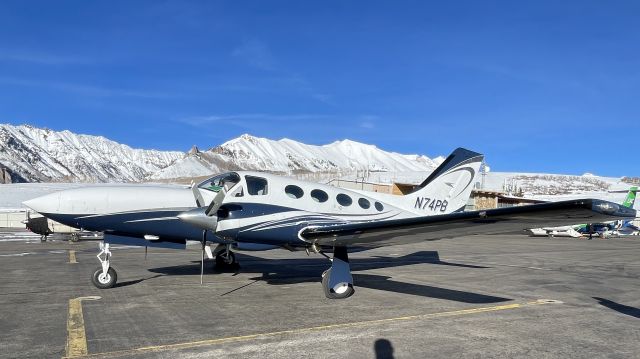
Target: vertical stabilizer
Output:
[(631, 197), (448, 188)]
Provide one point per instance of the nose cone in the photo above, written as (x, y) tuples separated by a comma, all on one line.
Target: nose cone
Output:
[(45, 204), (197, 218)]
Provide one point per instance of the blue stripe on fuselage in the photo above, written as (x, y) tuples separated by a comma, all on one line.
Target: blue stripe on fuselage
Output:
[(137, 223)]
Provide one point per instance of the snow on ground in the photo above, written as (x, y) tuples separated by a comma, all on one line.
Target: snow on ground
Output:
[(16, 235)]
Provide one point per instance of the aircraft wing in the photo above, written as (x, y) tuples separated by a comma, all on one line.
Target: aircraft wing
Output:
[(492, 221)]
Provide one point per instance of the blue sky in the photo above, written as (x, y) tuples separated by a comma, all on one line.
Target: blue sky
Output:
[(541, 86)]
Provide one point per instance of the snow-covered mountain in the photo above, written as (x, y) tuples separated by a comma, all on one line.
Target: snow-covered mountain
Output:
[(292, 157), (31, 154)]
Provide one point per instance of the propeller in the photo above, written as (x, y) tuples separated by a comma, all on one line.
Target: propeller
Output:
[(204, 218)]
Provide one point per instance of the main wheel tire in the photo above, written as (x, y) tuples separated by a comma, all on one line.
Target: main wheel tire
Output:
[(74, 237), (344, 291), (104, 282), (226, 263), (230, 259), (325, 283)]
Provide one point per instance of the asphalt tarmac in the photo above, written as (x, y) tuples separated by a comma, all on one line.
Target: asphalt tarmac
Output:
[(503, 296)]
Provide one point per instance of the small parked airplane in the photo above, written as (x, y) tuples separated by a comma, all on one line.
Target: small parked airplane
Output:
[(614, 228), (600, 229), (258, 211)]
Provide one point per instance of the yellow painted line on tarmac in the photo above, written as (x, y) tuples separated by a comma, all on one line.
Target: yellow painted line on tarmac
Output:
[(216, 341), (72, 257), (76, 337)]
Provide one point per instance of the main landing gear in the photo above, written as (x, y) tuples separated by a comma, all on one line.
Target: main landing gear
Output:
[(337, 281), (104, 276), (225, 258)]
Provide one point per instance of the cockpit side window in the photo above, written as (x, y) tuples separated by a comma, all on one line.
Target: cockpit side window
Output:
[(215, 184), (256, 186)]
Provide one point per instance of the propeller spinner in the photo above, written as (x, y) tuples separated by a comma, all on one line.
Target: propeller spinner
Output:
[(204, 218)]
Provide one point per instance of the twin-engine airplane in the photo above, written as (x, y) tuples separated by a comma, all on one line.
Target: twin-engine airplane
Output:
[(258, 211)]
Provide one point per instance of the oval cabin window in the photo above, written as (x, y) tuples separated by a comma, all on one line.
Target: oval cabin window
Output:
[(364, 203), (344, 200), (379, 206), (293, 191), (319, 195)]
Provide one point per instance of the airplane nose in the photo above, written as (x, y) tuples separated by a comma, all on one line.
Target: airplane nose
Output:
[(197, 218), (44, 204)]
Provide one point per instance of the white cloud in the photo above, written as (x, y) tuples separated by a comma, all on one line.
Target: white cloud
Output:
[(255, 53), (243, 119), (367, 125), (368, 121)]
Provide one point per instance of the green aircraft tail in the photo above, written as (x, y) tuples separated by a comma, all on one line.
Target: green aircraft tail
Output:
[(631, 197)]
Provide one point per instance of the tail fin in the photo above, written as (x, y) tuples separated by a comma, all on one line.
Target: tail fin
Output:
[(448, 188), (631, 197)]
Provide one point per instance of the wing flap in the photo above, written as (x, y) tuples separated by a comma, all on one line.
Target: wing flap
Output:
[(493, 221)]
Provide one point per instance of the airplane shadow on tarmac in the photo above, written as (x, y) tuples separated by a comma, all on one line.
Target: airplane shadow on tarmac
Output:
[(620, 308), (304, 270), (136, 281)]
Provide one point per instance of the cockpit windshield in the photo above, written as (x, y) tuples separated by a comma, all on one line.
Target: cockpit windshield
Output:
[(215, 184)]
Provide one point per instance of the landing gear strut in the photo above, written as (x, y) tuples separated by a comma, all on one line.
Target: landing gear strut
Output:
[(104, 276), (337, 281)]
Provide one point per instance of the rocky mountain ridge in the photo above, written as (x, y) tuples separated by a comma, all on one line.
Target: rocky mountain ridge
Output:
[(31, 154)]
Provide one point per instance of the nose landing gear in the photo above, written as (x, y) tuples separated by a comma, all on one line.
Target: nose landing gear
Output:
[(104, 276)]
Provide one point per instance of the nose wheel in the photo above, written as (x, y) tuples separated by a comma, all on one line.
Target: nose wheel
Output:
[(102, 280), (104, 276)]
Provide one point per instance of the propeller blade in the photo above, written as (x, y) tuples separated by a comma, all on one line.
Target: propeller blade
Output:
[(197, 195), (216, 203), (204, 244)]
